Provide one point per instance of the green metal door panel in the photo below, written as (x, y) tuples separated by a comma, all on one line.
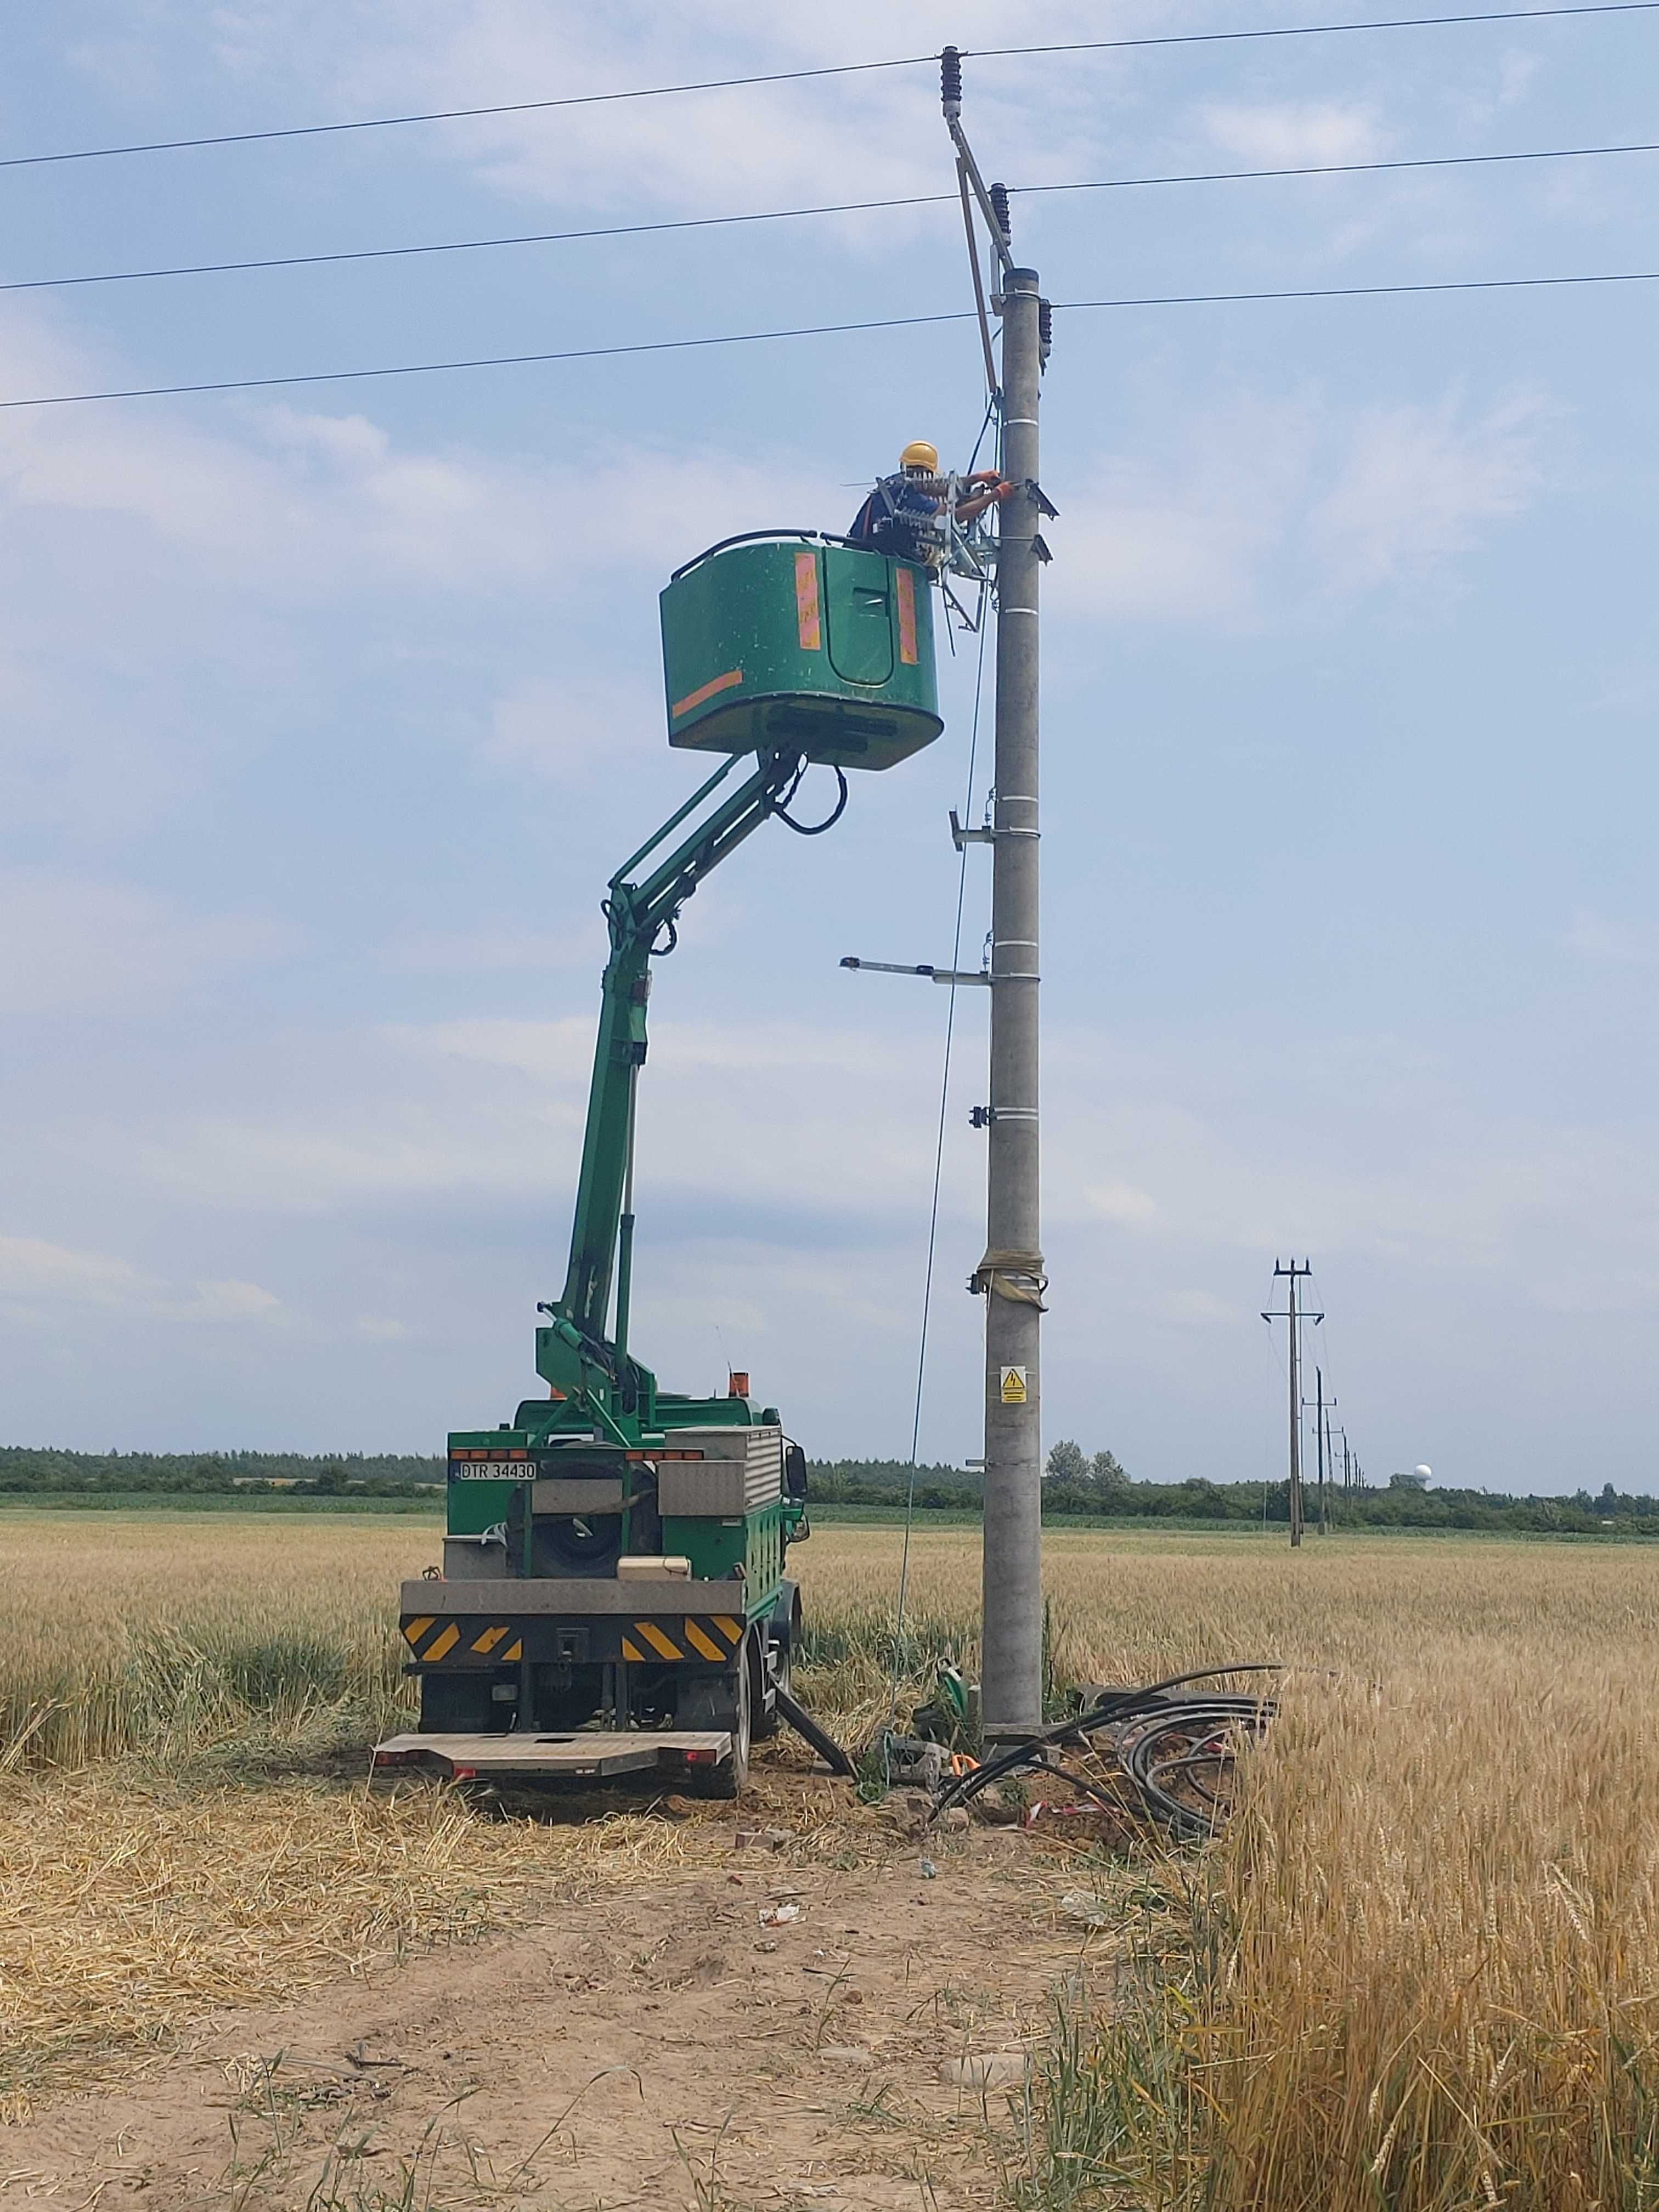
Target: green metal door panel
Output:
[(716, 1547), (859, 603), (475, 1506)]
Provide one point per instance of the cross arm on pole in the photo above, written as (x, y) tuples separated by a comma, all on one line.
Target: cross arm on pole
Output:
[(920, 968)]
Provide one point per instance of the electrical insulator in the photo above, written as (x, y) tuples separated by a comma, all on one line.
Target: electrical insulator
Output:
[(1045, 331), (1000, 209), (950, 82)]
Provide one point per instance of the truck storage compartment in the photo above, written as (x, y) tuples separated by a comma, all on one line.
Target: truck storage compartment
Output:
[(740, 1471)]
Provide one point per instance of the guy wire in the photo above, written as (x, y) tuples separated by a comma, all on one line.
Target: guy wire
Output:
[(938, 1160)]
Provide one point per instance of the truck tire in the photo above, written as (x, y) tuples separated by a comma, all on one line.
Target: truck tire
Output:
[(780, 1635), (723, 1701)]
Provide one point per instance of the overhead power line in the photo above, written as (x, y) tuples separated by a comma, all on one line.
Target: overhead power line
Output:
[(1320, 30), (1345, 168), (488, 360), (802, 76), (463, 114), (813, 330), (1366, 291), (798, 213), (479, 245)]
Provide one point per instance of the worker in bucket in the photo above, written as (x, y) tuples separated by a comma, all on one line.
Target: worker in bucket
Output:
[(893, 519)]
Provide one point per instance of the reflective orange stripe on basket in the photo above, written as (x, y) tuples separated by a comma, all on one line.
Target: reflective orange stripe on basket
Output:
[(906, 617), (705, 691), (806, 602)]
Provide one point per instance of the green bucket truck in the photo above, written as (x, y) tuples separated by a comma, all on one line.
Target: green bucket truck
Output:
[(614, 1596)]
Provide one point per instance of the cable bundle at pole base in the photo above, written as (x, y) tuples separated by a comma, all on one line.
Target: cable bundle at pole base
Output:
[(1177, 1753)]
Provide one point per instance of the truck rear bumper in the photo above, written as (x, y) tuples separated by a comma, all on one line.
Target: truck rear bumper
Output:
[(493, 1626), (510, 1594), (577, 1757)]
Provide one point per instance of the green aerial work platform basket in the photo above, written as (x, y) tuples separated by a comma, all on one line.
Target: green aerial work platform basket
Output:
[(800, 640)]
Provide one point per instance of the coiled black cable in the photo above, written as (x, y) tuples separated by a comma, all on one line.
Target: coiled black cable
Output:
[(1159, 1734), (810, 829)]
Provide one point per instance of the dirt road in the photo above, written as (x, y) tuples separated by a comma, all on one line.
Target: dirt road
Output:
[(801, 2018)]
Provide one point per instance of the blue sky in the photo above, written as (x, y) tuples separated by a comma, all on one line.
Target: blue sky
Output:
[(328, 711)]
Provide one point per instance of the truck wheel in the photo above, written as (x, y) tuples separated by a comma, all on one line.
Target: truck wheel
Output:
[(728, 1703), (780, 1651)]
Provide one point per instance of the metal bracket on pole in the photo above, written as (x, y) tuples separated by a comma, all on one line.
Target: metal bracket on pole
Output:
[(921, 967), (961, 837), (991, 384), (950, 97)]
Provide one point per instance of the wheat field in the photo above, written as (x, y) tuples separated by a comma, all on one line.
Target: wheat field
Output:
[(1419, 1970)]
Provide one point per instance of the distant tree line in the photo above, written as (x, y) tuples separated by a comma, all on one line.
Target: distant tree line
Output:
[(24, 1470), (1077, 1484)]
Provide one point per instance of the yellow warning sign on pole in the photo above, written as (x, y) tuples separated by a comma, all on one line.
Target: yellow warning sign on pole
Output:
[(1013, 1386)]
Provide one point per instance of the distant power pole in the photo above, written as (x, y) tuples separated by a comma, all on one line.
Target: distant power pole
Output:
[(1322, 1439), (1293, 1274), (1320, 1407)]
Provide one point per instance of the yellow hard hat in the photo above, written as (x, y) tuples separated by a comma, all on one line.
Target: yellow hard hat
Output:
[(919, 454)]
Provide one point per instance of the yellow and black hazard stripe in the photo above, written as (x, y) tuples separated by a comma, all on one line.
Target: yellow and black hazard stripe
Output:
[(480, 1644), (710, 1637)]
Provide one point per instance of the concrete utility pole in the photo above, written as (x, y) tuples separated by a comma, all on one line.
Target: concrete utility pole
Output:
[(1296, 1415), (1322, 1437), (1294, 1274), (1010, 1273), (1321, 1406)]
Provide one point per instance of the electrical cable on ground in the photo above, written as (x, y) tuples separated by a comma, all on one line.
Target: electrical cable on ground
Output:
[(1155, 1733), (828, 70), (814, 330), (800, 213)]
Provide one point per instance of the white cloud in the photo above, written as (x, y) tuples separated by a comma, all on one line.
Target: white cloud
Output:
[(1119, 1202), (487, 951), (1407, 1170), (1294, 133), (761, 146), (131, 537), (1195, 1310), (550, 1052), (316, 500), (1613, 944), (1508, 84), (1266, 509), (1419, 483), (69, 941), (37, 1278), (489, 1107), (575, 729)]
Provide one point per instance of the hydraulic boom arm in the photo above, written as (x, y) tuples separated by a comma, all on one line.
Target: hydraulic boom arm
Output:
[(637, 913)]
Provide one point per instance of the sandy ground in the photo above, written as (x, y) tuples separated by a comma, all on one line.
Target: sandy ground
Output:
[(680, 2040)]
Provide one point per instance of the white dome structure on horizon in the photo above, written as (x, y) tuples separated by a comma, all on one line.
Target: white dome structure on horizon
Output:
[(1423, 1473)]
